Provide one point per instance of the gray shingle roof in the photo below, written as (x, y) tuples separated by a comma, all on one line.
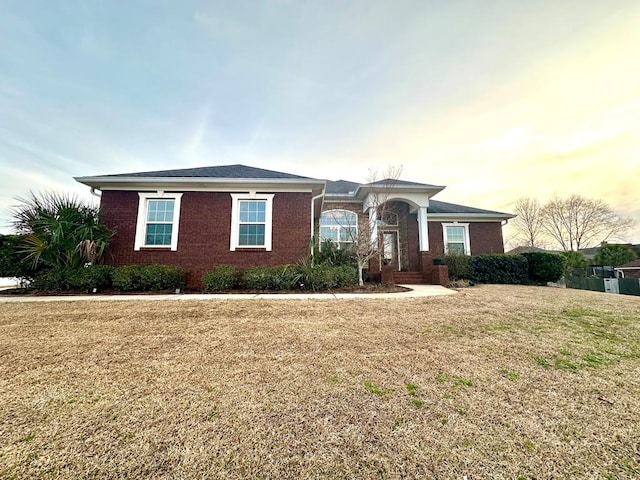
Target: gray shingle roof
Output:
[(436, 206), (341, 187), (220, 171)]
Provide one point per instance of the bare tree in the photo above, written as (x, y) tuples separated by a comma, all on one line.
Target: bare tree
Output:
[(365, 238), (528, 225), (577, 222)]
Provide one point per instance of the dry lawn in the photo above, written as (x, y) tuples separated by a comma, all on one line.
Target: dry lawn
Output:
[(496, 382)]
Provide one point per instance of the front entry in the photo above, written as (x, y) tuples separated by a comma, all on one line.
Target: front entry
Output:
[(390, 249)]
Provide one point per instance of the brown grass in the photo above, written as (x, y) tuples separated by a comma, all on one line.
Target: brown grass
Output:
[(496, 382)]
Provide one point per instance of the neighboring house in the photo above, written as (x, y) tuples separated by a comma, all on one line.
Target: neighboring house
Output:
[(630, 270), (198, 218)]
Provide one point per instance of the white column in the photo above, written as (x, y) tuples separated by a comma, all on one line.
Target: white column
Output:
[(373, 225), (423, 229)]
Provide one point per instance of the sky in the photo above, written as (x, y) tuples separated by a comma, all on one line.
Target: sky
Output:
[(497, 100)]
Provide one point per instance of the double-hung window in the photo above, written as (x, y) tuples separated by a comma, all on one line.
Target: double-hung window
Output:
[(251, 216), (456, 238), (158, 218)]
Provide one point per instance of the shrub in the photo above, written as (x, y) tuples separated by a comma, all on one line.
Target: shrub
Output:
[(281, 277), (330, 254), (458, 265), (285, 277), (222, 277), (257, 278), (86, 279), (499, 269), (149, 277), (544, 267), (12, 261), (319, 277), (345, 275), (51, 280), (573, 260)]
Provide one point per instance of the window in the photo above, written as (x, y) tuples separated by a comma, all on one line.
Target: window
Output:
[(456, 238), (339, 226), (389, 219), (158, 217), (251, 221)]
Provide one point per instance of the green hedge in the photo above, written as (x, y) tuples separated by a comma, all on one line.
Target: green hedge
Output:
[(149, 278), (281, 277), (326, 277), (83, 279), (458, 265), (294, 277), (222, 277), (499, 269), (545, 267)]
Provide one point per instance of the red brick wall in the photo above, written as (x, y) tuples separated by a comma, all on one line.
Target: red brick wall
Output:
[(484, 238), (204, 234)]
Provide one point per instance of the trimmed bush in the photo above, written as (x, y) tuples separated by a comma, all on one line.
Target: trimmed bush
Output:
[(51, 280), (499, 269), (83, 279), (458, 265), (544, 267), (149, 278), (87, 278), (285, 277), (281, 277), (222, 277), (257, 278), (345, 275), (319, 277), (291, 277)]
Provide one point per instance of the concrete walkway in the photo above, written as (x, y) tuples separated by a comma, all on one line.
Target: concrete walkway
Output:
[(417, 291)]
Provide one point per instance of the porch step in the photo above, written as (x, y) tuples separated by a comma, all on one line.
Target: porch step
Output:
[(408, 278)]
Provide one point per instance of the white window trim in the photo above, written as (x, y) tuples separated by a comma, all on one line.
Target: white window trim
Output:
[(235, 219), (467, 246), (141, 225), (354, 241)]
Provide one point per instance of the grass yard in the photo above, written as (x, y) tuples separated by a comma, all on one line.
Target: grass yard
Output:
[(496, 382)]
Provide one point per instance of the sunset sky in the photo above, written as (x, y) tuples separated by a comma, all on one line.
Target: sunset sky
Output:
[(495, 99)]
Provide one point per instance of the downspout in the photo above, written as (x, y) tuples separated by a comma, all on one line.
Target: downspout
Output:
[(313, 213), (93, 192)]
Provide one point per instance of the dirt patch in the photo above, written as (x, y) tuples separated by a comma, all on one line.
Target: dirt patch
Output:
[(494, 382)]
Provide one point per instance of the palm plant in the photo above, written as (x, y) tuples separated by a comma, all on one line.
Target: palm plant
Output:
[(59, 230)]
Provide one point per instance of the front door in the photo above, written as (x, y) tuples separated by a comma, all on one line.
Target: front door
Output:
[(390, 250)]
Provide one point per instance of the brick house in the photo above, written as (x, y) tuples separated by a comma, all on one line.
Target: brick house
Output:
[(629, 270), (198, 218)]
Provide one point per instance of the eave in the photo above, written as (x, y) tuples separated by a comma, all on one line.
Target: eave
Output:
[(315, 187), (469, 217)]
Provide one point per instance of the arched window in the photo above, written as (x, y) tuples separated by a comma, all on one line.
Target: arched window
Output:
[(339, 226), (389, 219)]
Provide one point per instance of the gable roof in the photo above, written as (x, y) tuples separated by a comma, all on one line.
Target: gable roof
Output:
[(219, 171), (341, 187)]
